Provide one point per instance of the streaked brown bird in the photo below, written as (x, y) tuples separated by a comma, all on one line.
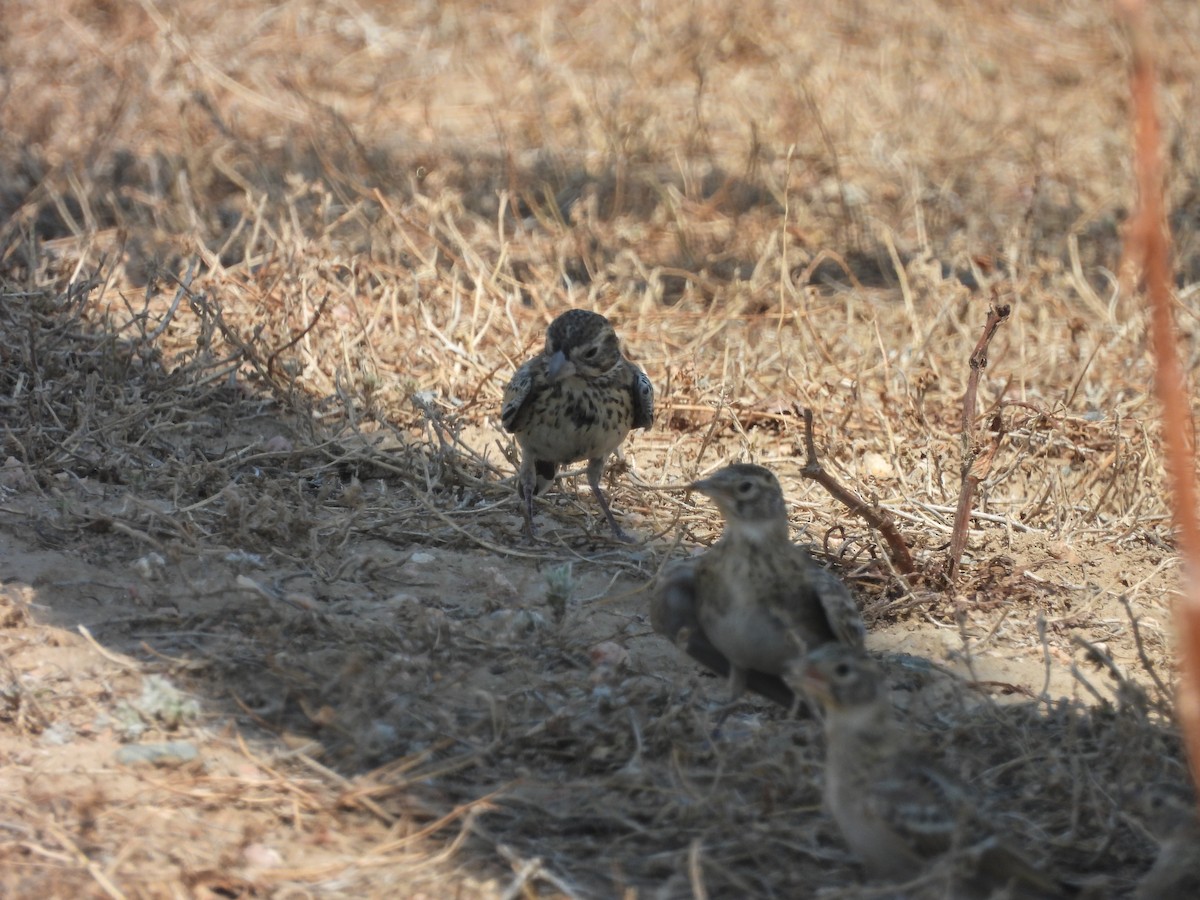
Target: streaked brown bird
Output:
[(895, 808), (755, 603), (577, 399)]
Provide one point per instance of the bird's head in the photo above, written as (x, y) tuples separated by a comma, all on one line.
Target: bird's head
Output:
[(581, 343), (842, 679), (1165, 808), (747, 496)]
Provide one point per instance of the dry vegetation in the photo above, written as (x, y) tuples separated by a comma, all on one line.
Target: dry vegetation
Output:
[(269, 623)]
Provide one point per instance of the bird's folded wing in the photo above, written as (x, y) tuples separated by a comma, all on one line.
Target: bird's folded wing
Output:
[(673, 606), (840, 609), (518, 394), (643, 399), (920, 805)]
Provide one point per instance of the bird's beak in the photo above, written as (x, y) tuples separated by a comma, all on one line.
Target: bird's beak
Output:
[(559, 367), (815, 686), (718, 493)]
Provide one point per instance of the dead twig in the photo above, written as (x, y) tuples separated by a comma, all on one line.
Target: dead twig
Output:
[(974, 466), (1164, 692), (874, 516)]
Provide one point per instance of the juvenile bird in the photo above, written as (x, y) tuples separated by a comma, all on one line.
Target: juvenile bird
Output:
[(898, 811), (577, 399), (673, 614), (1170, 817), (758, 599)]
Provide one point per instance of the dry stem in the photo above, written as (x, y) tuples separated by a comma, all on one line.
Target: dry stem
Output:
[(875, 517), (974, 468), (1150, 240)]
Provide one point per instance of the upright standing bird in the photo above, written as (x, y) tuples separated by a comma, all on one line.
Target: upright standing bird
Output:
[(577, 399), (759, 601), (896, 809), (673, 614)]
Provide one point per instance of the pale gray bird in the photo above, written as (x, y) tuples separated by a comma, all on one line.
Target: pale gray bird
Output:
[(897, 810), (755, 597), (673, 614), (577, 399)]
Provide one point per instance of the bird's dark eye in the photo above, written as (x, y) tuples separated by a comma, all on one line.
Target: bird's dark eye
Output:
[(745, 487), (591, 353), (842, 670)]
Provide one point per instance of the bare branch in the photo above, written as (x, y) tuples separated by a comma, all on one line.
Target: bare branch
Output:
[(1150, 244), (874, 516), (974, 468)]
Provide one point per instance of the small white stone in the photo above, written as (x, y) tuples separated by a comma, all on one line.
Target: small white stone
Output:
[(150, 566), (875, 465)]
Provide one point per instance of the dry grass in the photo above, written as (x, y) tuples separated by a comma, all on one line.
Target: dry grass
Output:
[(265, 271)]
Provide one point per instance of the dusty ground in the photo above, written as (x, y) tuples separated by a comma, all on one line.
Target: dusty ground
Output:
[(270, 625)]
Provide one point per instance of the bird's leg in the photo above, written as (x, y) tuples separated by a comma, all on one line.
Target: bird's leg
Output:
[(737, 683), (525, 489), (794, 679), (595, 468), (798, 700)]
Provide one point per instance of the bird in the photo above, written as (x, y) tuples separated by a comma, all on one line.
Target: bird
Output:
[(673, 614), (755, 598), (898, 811), (1170, 816), (577, 399)]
